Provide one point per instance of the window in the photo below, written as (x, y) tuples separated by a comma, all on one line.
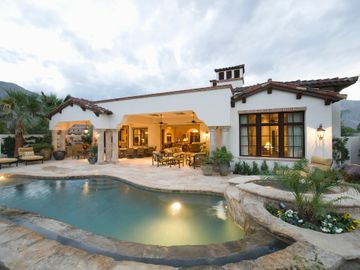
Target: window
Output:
[(228, 74), (140, 137), (272, 134), (221, 76), (237, 73)]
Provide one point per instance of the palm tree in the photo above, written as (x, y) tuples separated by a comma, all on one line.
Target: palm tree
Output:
[(22, 110)]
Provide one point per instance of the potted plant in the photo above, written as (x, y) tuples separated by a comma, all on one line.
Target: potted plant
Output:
[(207, 164), (44, 149), (59, 154), (222, 158), (93, 151)]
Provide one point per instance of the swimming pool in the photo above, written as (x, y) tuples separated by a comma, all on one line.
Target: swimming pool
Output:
[(115, 209)]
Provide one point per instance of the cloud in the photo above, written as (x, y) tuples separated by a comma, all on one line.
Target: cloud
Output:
[(103, 49)]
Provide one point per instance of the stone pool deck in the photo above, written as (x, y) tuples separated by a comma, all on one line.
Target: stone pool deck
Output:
[(22, 248)]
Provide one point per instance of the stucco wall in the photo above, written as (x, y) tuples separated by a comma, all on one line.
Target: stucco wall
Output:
[(316, 113), (211, 107)]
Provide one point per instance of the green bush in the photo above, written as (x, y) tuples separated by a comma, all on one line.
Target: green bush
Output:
[(39, 146), (340, 152), (8, 146), (255, 168), (238, 168), (300, 164), (222, 156), (264, 168), (246, 169)]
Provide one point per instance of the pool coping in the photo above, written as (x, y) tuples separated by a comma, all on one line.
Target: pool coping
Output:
[(178, 256)]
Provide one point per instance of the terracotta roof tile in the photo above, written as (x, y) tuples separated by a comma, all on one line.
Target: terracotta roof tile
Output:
[(83, 104)]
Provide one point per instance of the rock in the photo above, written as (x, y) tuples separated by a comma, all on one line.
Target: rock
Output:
[(352, 171)]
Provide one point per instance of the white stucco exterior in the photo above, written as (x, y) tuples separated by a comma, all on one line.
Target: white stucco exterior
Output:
[(218, 116), (316, 113)]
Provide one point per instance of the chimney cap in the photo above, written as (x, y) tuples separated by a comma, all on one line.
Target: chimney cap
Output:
[(231, 68)]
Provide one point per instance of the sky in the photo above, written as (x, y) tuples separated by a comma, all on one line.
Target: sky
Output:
[(105, 49)]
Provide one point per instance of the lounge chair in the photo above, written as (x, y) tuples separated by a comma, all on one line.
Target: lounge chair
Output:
[(8, 161), (26, 154)]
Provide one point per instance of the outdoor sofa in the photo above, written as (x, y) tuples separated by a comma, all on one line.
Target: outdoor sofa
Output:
[(8, 161), (26, 154)]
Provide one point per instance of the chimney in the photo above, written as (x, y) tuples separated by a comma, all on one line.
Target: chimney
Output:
[(230, 75)]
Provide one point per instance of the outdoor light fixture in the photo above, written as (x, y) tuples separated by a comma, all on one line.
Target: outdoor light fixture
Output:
[(175, 208), (320, 132)]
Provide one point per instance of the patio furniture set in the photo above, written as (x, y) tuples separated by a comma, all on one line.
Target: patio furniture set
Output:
[(26, 155), (175, 156), (136, 152)]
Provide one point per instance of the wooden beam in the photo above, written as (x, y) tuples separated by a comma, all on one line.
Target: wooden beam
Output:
[(269, 90), (243, 100), (298, 95)]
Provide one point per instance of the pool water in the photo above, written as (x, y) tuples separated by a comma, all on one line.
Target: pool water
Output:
[(112, 208)]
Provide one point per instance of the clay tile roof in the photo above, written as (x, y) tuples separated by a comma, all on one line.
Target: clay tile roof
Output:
[(297, 87), (229, 68), (334, 84), (84, 104)]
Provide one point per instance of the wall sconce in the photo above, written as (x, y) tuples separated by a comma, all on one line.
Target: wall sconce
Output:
[(320, 132)]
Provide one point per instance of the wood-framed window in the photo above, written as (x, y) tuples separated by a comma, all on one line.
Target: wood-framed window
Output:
[(272, 134), (140, 137)]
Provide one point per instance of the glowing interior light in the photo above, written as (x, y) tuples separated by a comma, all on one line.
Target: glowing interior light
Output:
[(2, 177), (175, 208)]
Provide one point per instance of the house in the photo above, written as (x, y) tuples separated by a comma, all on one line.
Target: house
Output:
[(273, 121)]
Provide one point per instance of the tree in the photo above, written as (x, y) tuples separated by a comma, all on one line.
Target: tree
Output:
[(22, 110)]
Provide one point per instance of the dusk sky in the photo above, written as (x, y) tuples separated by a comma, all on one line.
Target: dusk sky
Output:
[(106, 49)]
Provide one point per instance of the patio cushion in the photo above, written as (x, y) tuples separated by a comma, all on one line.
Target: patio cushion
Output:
[(7, 160), (30, 158)]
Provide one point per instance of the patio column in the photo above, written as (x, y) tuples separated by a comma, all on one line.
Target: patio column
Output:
[(225, 132), (115, 146), (62, 140), (108, 145), (100, 146), (212, 139), (54, 139)]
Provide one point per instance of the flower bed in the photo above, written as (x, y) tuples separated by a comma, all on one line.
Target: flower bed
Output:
[(330, 223)]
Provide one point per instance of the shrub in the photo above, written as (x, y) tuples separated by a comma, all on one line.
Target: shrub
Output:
[(39, 146), (8, 146), (238, 168), (340, 152), (300, 164), (264, 168), (255, 168), (275, 168), (246, 169), (222, 156)]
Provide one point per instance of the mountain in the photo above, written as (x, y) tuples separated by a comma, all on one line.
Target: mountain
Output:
[(11, 86), (350, 115)]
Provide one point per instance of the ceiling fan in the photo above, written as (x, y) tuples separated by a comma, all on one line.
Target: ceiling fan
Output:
[(161, 121), (193, 121)]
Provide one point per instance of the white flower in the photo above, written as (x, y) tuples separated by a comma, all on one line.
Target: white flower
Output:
[(325, 229), (300, 221), (328, 216), (338, 230)]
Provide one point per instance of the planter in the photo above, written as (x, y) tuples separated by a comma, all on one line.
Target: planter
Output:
[(59, 155), (46, 153), (207, 169), (92, 159), (224, 169)]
